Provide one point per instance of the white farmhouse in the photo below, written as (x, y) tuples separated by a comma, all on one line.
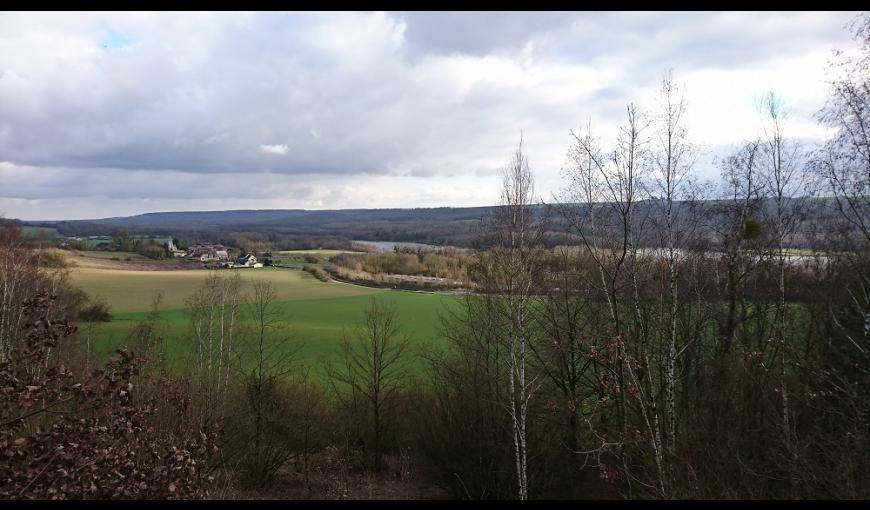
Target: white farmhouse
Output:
[(247, 260)]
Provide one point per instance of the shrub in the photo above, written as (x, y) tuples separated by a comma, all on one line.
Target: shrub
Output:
[(91, 437), (52, 258), (152, 250), (751, 229), (96, 311), (318, 273)]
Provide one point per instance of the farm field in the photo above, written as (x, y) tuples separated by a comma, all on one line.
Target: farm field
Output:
[(314, 314), (110, 255), (314, 326), (122, 260), (319, 253), (132, 290)]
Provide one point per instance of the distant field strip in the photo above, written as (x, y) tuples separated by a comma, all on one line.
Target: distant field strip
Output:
[(131, 291), (321, 253)]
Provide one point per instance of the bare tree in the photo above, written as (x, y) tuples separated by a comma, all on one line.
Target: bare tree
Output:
[(839, 369), (609, 231), (309, 410), (516, 242), (736, 226), (21, 278), (18, 274), (606, 185), (214, 316), (843, 164), (262, 429), (673, 156), (372, 370), (844, 161), (466, 436), (565, 316), (784, 179)]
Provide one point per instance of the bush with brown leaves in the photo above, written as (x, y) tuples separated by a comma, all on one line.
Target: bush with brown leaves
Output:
[(61, 438)]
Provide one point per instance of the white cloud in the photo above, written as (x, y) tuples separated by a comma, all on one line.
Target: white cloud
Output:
[(274, 149), (390, 109), (76, 193)]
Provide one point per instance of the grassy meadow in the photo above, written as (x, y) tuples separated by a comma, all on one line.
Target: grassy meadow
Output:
[(314, 315)]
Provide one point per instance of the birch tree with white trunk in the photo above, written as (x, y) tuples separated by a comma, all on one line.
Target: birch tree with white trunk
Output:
[(515, 255), (214, 311), (672, 158), (784, 179)]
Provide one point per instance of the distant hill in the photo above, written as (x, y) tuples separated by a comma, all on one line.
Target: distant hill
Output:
[(440, 226), (285, 217)]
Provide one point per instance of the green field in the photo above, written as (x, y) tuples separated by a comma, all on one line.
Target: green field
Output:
[(314, 315), (321, 253), (315, 326), (46, 232), (297, 257)]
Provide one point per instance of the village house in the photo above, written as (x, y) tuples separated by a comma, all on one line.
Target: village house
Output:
[(207, 252), (247, 260)]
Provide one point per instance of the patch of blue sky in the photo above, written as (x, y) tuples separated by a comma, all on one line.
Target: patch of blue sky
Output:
[(114, 40)]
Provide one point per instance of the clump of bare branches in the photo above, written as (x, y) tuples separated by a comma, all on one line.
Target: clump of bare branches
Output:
[(260, 430), (369, 376)]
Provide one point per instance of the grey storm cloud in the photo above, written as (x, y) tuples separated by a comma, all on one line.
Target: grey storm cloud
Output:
[(59, 183), (159, 105), (253, 105), (645, 42), (478, 33)]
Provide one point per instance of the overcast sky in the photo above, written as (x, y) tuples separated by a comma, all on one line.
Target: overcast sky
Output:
[(122, 113)]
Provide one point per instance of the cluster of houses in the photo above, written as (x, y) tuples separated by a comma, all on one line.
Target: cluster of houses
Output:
[(206, 252), (218, 253)]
